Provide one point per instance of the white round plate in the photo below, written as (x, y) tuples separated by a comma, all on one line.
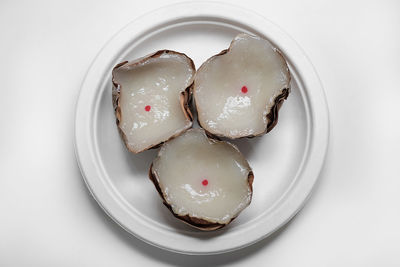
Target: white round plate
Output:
[(286, 162)]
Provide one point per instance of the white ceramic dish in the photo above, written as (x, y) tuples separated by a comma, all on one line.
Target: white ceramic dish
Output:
[(286, 162)]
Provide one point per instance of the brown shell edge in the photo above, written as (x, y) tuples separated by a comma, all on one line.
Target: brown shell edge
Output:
[(272, 115), (184, 98), (195, 222)]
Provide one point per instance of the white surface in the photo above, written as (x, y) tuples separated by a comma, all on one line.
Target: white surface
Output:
[(286, 162), (47, 216)]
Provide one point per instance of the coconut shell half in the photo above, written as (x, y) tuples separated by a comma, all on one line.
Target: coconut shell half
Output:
[(203, 182), (239, 91), (151, 96)]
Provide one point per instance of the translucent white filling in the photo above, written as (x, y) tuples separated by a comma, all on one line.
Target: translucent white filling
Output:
[(186, 162), (235, 91), (150, 99)]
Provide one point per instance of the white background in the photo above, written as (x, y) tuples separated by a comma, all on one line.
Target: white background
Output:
[(47, 217)]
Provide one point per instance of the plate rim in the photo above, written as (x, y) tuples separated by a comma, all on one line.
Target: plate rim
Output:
[(319, 113)]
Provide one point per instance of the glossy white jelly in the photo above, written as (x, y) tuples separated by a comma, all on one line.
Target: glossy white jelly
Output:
[(150, 99), (235, 91), (203, 178)]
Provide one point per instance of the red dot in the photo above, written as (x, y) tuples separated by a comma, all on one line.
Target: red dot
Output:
[(147, 108), (205, 182), (244, 89)]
